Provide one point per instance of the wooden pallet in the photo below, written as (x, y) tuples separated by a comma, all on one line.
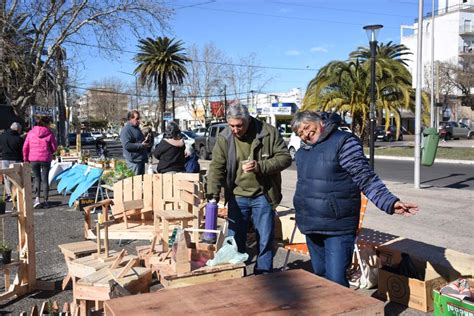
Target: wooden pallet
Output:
[(170, 279)]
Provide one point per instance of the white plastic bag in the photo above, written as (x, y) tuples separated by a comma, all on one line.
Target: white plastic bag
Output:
[(369, 266), (228, 254)]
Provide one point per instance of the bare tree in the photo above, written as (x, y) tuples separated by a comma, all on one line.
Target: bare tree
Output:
[(206, 76), (245, 76), (54, 24)]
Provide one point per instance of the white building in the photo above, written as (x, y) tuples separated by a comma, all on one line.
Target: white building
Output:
[(453, 41)]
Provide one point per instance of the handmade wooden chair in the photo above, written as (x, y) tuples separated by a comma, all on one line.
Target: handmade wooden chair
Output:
[(139, 203)]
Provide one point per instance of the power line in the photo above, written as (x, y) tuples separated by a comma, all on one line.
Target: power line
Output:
[(338, 9), (198, 61), (154, 96)]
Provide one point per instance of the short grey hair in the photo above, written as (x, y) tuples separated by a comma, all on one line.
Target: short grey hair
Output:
[(304, 117), (15, 126), (238, 111)]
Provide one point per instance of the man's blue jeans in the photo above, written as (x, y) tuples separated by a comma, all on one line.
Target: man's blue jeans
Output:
[(241, 210), (331, 255), (138, 168)]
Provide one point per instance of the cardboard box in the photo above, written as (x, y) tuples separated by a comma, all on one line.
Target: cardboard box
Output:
[(410, 292), (448, 263), (452, 306)]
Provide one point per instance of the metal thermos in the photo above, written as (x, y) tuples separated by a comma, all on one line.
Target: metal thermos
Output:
[(211, 222)]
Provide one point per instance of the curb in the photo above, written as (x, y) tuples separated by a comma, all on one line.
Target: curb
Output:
[(447, 161)]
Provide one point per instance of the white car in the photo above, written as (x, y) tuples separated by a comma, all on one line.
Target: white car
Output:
[(188, 140), (97, 135), (200, 131), (295, 141)]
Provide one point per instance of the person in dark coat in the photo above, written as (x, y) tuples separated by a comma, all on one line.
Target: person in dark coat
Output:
[(332, 172), (11, 147), (170, 151), (191, 163)]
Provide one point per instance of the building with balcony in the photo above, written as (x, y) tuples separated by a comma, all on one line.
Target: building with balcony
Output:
[(453, 44)]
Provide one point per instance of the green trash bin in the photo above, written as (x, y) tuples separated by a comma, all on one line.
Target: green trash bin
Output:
[(429, 146)]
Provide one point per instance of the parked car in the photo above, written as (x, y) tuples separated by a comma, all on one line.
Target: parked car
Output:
[(388, 135), (199, 131), (188, 140), (111, 135), (97, 135), (86, 139), (206, 143), (295, 142), (450, 130)]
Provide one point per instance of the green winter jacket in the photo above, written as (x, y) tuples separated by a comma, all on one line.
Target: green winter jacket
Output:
[(268, 148)]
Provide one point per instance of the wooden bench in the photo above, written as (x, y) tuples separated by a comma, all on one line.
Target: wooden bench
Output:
[(138, 200)]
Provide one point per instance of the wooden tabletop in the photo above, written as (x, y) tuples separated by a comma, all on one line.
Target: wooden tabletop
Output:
[(291, 292)]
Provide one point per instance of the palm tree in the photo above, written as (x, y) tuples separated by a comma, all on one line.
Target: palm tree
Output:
[(161, 61), (344, 86)]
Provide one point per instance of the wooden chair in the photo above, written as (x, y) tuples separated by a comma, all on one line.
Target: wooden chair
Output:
[(137, 201)]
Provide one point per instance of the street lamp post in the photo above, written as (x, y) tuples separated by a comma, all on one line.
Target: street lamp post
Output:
[(172, 102), (372, 32)]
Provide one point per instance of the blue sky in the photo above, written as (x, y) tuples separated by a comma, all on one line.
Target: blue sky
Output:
[(282, 33)]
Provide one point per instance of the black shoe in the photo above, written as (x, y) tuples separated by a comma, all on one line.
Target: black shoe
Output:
[(8, 198), (45, 204)]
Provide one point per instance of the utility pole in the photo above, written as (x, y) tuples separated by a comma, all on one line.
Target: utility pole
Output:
[(419, 69), (172, 102), (432, 112), (225, 101)]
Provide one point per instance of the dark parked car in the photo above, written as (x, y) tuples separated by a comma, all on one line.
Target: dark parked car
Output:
[(86, 139), (206, 143), (389, 135)]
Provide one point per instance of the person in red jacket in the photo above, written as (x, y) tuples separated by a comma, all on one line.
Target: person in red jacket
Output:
[(40, 144)]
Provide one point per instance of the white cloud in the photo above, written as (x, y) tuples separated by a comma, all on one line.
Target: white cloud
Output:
[(318, 49), (292, 52)]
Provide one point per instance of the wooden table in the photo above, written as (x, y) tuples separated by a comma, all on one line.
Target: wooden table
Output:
[(290, 292)]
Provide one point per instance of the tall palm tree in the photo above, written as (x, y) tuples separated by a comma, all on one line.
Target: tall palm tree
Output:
[(161, 61)]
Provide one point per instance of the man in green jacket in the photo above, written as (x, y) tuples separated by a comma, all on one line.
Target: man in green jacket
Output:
[(247, 160)]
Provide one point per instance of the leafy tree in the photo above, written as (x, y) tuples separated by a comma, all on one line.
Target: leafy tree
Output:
[(161, 61)]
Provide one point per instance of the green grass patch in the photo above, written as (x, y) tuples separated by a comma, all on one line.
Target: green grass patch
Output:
[(442, 153)]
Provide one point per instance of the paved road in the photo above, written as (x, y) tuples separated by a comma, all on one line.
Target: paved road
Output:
[(454, 176), (439, 175)]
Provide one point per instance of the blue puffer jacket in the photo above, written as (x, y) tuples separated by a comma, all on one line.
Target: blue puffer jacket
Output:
[(331, 175)]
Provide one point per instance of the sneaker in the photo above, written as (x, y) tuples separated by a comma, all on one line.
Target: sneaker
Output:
[(45, 204), (8, 198), (37, 203)]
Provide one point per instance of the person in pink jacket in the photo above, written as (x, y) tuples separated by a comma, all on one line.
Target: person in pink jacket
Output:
[(40, 144)]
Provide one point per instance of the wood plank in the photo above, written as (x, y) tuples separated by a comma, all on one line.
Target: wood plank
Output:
[(289, 293), (138, 188), (168, 191), (187, 186), (132, 205), (147, 192), (187, 176), (117, 208), (127, 189), (76, 249), (190, 198), (157, 193)]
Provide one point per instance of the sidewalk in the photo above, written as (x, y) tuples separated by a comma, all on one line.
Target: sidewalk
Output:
[(445, 218)]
